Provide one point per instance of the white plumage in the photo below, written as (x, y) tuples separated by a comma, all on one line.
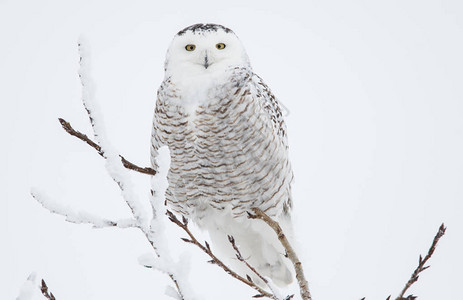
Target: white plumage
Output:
[(228, 145)]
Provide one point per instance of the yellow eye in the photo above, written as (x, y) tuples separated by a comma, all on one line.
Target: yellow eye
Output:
[(220, 46), (190, 47)]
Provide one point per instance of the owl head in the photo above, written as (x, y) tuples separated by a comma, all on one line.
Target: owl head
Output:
[(203, 49)]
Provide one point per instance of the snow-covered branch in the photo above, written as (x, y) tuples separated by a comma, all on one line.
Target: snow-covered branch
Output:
[(165, 263), (117, 167), (113, 165), (79, 217), (30, 289)]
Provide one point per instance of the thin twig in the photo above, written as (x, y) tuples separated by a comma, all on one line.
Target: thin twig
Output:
[(206, 249), (240, 257), (177, 286), (409, 297), (45, 292), (127, 164), (291, 254), (421, 264)]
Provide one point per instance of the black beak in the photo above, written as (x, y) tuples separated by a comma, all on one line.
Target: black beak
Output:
[(206, 62)]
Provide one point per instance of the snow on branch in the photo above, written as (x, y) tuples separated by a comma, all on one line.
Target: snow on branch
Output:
[(177, 271), (79, 217), (116, 167), (30, 289), (117, 172)]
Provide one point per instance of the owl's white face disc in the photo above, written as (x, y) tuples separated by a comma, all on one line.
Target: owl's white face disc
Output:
[(204, 49)]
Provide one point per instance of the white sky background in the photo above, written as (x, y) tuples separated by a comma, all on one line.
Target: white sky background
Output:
[(374, 90)]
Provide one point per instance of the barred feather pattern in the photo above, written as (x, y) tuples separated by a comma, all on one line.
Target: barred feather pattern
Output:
[(229, 153)]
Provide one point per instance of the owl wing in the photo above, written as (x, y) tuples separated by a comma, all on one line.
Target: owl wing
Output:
[(272, 107), (159, 129), (273, 110)]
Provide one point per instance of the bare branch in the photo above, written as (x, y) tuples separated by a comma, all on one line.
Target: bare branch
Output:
[(131, 166), (83, 137), (45, 292), (240, 257), (291, 254), (215, 260), (421, 265), (177, 286)]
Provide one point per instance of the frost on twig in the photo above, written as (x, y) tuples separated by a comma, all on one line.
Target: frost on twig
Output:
[(29, 288), (290, 253), (115, 169), (79, 217)]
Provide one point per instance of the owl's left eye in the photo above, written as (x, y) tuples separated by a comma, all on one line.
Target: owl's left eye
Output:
[(190, 47), (220, 46)]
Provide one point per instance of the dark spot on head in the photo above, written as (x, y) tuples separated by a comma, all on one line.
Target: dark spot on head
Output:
[(203, 28)]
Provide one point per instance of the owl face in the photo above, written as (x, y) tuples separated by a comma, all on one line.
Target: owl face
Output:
[(204, 49)]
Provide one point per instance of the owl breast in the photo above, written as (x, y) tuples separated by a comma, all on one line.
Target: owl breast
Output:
[(226, 154)]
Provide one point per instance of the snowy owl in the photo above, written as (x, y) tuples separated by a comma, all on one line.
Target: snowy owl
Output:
[(228, 145)]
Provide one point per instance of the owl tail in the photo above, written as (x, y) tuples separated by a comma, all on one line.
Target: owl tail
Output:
[(258, 245)]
